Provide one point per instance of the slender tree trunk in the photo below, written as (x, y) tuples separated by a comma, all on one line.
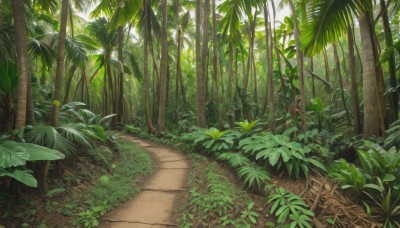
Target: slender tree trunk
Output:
[(336, 56), (354, 84), (230, 82), (178, 60), (326, 64), (221, 75), (149, 121), (215, 61), (60, 63), (312, 77), (299, 56), (200, 99), (163, 68), (373, 98), (21, 45), (270, 75), (68, 85), (121, 74), (394, 96), (255, 89)]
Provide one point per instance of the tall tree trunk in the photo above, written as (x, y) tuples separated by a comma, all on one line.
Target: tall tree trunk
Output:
[(163, 68), (178, 60), (60, 63), (230, 82), (68, 86), (200, 99), (121, 74), (336, 56), (21, 45), (149, 121), (326, 64), (394, 96), (373, 98), (255, 89), (270, 75), (299, 56), (312, 77), (354, 84)]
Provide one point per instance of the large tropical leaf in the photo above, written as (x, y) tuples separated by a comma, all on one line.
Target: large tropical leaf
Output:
[(12, 154), (22, 175), (327, 20), (41, 153)]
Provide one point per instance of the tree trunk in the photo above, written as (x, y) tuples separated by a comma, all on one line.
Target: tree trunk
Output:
[(121, 75), (326, 64), (60, 64), (270, 73), (299, 56), (312, 77), (178, 61), (354, 84), (394, 97), (149, 121), (336, 56), (373, 98), (200, 99), (230, 82), (163, 68), (68, 86), (21, 45)]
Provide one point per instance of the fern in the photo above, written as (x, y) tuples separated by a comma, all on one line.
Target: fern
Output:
[(285, 203), (234, 159), (253, 176)]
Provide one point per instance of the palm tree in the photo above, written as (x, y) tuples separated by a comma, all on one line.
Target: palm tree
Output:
[(300, 66), (60, 63), (163, 68), (21, 44), (326, 22), (200, 97), (146, 28)]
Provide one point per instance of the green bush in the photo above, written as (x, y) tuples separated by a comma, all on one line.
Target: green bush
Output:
[(278, 151)]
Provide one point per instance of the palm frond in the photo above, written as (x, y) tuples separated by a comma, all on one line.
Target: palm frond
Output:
[(328, 20), (39, 49), (49, 137)]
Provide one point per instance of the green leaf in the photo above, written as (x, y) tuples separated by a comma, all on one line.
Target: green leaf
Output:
[(12, 154), (22, 175), (37, 152), (389, 178), (274, 158)]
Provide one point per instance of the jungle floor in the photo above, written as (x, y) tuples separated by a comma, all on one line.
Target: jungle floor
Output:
[(173, 196)]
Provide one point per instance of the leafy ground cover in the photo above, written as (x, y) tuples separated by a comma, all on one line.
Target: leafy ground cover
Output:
[(96, 185), (290, 169)]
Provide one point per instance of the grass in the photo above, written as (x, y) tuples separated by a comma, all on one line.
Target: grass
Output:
[(119, 186), (100, 183)]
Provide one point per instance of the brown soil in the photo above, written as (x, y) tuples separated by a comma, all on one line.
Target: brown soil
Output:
[(160, 195)]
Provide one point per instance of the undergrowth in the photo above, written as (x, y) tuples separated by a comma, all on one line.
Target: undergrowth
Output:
[(215, 201)]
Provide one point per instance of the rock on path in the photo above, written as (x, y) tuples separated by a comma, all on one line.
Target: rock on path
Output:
[(154, 206)]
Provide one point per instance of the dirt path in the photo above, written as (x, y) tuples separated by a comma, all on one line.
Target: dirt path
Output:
[(154, 206)]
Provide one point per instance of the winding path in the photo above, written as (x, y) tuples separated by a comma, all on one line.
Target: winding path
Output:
[(161, 193)]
